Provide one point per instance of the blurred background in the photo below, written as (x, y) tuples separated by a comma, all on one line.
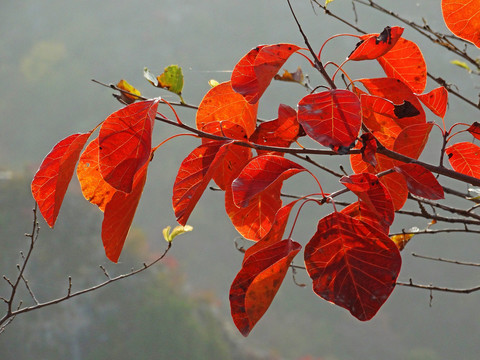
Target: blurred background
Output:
[(49, 52)]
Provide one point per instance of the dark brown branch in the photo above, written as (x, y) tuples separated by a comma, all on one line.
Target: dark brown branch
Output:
[(438, 288)]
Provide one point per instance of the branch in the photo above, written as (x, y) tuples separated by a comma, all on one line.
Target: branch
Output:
[(11, 313), (438, 288)]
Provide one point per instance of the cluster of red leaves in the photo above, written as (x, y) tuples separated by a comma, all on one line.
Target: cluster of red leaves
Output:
[(350, 259)]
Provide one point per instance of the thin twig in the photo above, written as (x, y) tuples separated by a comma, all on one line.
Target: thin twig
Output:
[(465, 263)]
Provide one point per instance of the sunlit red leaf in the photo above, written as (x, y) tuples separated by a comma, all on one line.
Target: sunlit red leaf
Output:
[(398, 93), (125, 143), (412, 140), (118, 216), (94, 188), (258, 281), (463, 19), (255, 221), (360, 211), (352, 264), (235, 158), (420, 181), (372, 46), (54, 174), (194, 174), (332, 118), (373, 194), (394, 182), (474, 129), (221, 103), (465, 158), (279, 132), (261, 173), (406, 63), (369, 149), (254, 72), (436, 100), (276, 231)]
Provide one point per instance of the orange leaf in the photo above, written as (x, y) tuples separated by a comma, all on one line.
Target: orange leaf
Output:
[(436, 100), (373, 46), (255, 221), (276, 231), (94, 188), (221, 103), (279, 132), (398, 93), (332, 118), (412, 140), (352, 264), (125, 143), (54, 174), (474, 129), (118, 216), (465, 158), (254, 72), (258, 281), (194, 174), (463, 19), (406, 63)]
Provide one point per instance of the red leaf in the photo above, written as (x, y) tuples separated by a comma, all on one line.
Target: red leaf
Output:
[(406, 63), (373, 46), (279, 132), (360, 211), (436, 100), (194, 174), (398, 93), (94, 188), (373, 194), (221, 104), (332, 118), (258, 281), (125, 143), (254, 72), (465, 158), (276, 231), (352, 264), (261, 173), (394, 182), (236, 157), (474, 129), (420, 181), (463, 19), (118, 216), (54, 174), (412, 140), (255, 221), (369, 149)]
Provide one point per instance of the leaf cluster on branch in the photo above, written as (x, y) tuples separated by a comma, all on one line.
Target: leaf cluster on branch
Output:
[(379, 123)]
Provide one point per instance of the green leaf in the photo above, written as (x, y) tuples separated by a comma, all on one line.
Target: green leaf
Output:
[(150, 77), (461, 64), (171, 79), (169, 236)]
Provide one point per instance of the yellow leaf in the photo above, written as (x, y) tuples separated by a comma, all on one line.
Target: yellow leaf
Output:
[(169, 236), (328, 2), (213, 83), (128, 98), (461, 64), (401, 239)]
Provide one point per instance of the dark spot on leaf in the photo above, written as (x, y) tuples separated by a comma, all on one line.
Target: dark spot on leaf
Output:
[(405, 110), (450, 155), (385, 36)]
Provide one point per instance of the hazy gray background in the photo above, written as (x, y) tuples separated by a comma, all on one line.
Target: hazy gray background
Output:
[(49, 51)]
